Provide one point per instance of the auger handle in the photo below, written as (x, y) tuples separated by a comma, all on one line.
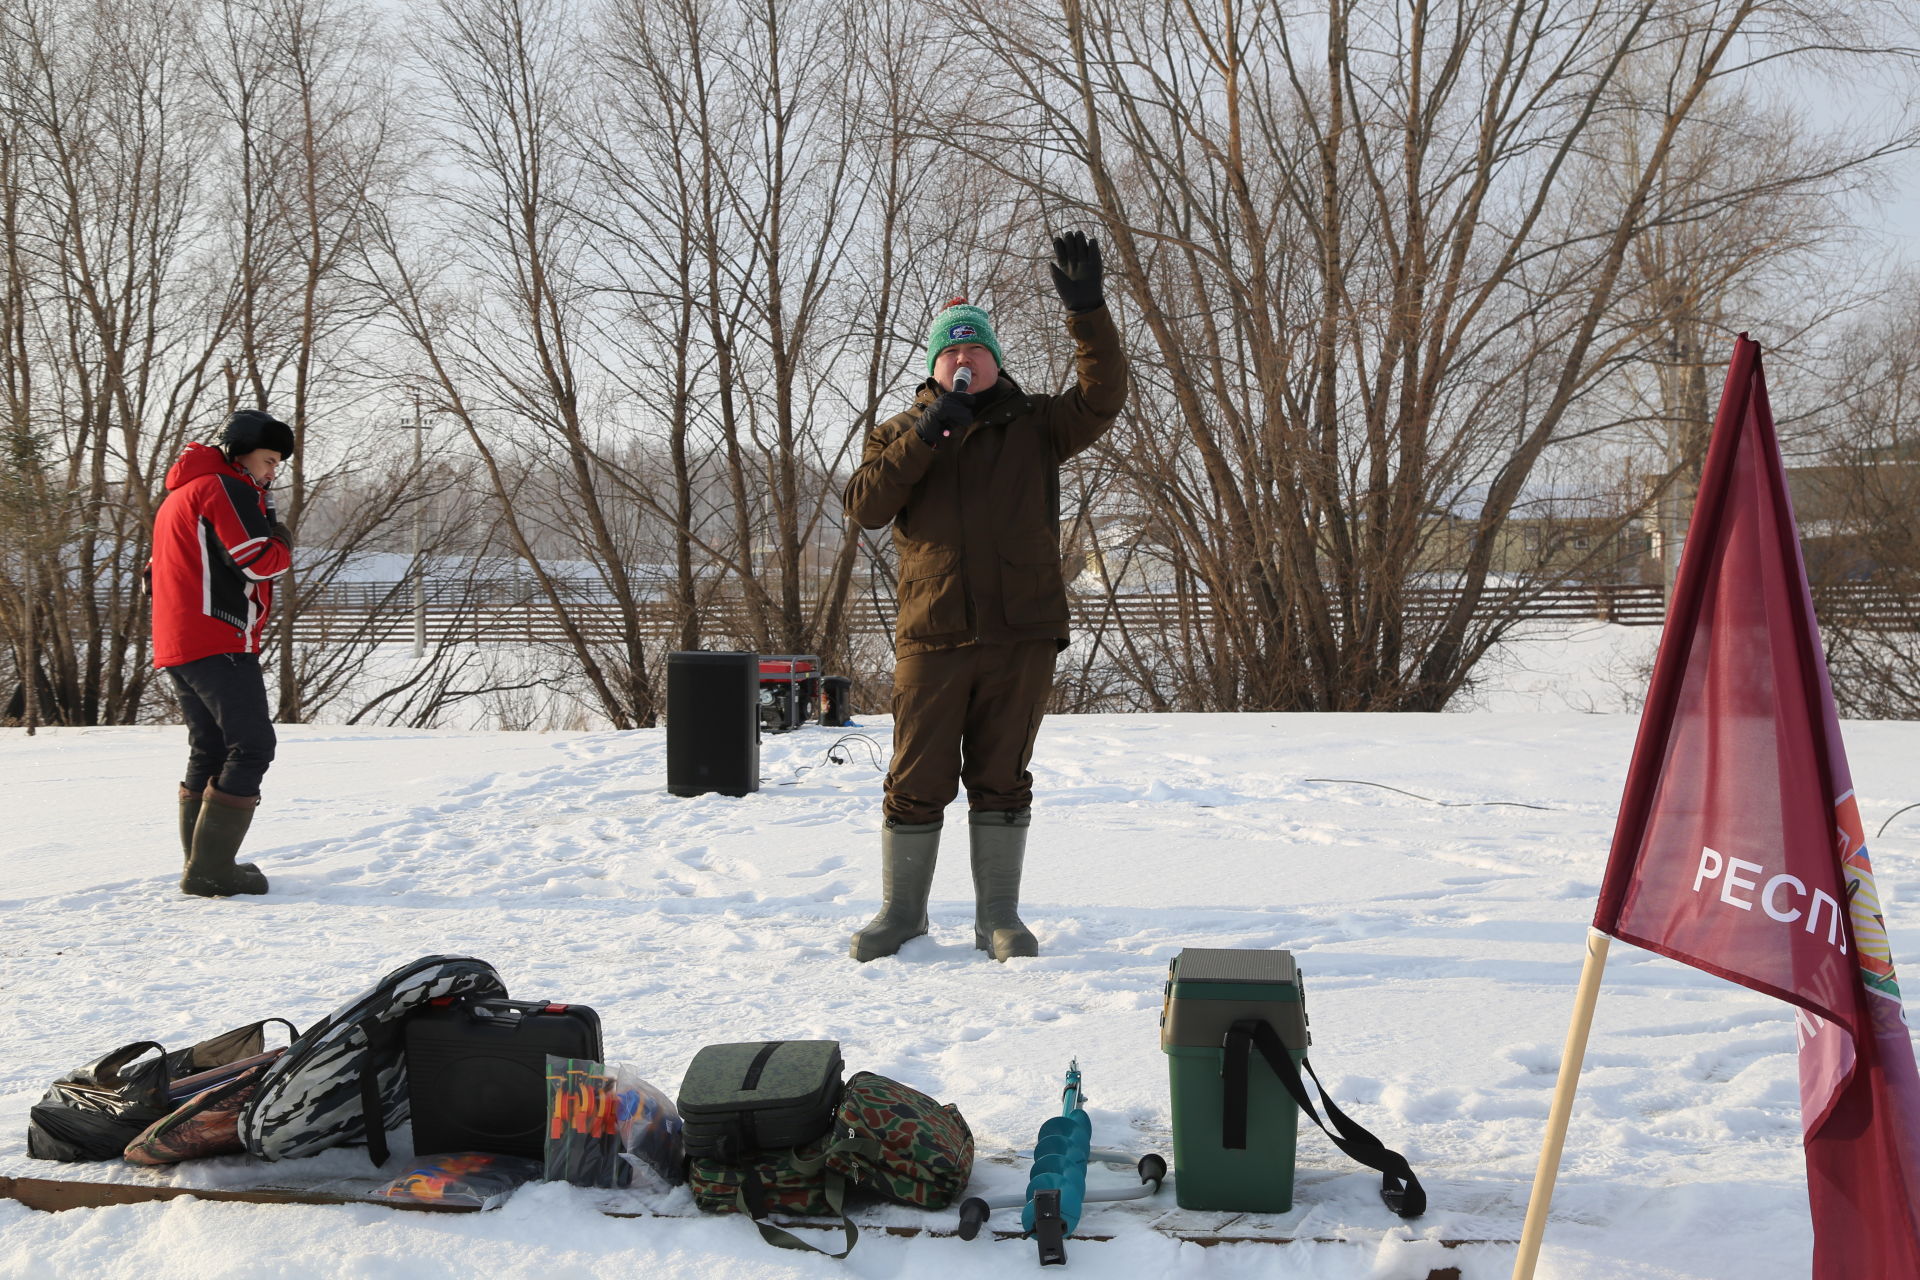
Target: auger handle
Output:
[(973, 1215)]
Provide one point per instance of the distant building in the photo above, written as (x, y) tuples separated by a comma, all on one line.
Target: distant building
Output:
[(1852, 517), (1550, 546)]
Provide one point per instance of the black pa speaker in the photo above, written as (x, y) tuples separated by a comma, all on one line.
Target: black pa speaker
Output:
[(836, 697), (713, 723)]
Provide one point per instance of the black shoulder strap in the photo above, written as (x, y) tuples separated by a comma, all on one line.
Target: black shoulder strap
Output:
[(372, 1113), (385, 1049), (1399, 1188)]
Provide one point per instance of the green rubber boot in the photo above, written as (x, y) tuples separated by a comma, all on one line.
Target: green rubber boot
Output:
[(190, 802), (999, 848), (189, 817), (907, 857), (217, 835)]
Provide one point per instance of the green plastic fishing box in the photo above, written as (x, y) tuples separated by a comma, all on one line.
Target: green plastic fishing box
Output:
[(1208, 990)]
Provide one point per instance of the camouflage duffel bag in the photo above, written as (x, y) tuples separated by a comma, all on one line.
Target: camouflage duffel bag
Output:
[(790, 1182), (887, 1139)]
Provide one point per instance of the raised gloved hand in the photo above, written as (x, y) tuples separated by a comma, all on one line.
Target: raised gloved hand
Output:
[(950, 415), (1076, 271), (280, 533)]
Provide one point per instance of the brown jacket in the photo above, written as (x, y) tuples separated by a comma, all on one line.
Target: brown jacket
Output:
[(977, 522)]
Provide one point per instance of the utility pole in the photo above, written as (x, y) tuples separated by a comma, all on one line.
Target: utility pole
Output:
[(419, 569), (30, 673)]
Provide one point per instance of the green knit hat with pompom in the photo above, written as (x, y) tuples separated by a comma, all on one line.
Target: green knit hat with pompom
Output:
[(961, 322)]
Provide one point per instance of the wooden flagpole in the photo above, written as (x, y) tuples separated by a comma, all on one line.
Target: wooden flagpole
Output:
[(1562, 1110)]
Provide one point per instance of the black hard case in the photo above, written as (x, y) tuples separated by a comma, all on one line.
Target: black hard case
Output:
[(765, 1095), (477, 1071)]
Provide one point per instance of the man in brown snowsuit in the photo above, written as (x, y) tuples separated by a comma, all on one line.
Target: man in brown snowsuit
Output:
[(969, 477)]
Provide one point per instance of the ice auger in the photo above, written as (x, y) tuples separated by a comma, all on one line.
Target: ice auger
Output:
[(1057, 1186)]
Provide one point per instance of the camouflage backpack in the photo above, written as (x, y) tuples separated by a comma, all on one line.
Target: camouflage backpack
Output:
[(345, 1079), (888, 1139)]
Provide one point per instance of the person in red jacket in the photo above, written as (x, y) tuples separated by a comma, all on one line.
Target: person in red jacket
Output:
[(217, 547)]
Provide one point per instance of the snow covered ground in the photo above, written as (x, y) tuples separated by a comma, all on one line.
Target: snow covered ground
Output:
[(1440, 947)]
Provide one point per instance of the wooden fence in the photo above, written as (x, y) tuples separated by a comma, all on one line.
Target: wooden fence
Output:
[(384, 612)]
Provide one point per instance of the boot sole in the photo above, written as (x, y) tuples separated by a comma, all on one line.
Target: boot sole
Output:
[(878, 948), (1022, 950), (215, 889)]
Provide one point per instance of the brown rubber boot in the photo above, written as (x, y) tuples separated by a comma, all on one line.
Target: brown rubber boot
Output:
[(999, 849), (211, 871), (907, 856)]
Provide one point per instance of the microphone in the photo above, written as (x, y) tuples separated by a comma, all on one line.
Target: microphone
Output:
[(962, 379)]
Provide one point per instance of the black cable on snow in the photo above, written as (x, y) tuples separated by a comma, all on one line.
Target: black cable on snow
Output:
[(1446, 804)]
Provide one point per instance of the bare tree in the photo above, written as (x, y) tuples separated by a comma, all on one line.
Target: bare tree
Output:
[(113, 329), (1859, 513), (732, 166), (305, 114), (1377, 268), (1744, 216), (508, 362)]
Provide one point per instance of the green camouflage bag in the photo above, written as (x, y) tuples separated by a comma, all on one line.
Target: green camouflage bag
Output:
[(792, 1182), (887, 1138), (898, 1143)]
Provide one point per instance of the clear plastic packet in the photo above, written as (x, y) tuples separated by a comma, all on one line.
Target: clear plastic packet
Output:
[(461, 1180), (650, 1128), (608, 1127)]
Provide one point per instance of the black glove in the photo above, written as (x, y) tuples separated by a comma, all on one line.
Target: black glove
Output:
[(950, 415), (1076, 271), (280, 533)]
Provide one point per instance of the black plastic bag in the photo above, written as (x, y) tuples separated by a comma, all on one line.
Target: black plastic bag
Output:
[(92, 1113)]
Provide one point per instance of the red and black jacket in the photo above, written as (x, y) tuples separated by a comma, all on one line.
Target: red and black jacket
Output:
[(213, 563)]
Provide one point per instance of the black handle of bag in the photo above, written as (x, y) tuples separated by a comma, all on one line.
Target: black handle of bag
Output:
[(107, 1070), (751, 1199), (1399, 1188)]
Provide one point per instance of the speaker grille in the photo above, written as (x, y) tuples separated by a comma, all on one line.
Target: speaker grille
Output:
[(713, 723)]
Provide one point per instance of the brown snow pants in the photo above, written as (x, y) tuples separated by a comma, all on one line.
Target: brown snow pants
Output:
[(967, 715)]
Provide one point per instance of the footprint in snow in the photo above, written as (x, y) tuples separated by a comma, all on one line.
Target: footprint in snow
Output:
[(1421, 1107), (1534, 1059), (807, 820), (1724, 1062)]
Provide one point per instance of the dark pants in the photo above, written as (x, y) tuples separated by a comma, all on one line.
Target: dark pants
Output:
[(230, 738), (967, 715)]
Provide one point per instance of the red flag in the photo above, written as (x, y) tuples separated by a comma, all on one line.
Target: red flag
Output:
[(1739, 847)]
